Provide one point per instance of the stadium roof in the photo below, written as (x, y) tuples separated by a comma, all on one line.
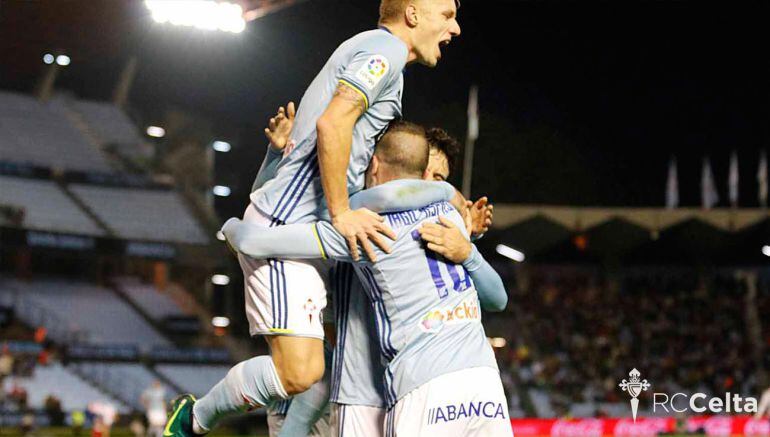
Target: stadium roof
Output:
[(633, 235)]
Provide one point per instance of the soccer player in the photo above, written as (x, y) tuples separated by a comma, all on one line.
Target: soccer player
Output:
[(154, 401), (299, 416), (441, 377), (353, 98), (358, 403)]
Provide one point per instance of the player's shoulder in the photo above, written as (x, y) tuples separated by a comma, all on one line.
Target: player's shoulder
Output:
[(378, 41)]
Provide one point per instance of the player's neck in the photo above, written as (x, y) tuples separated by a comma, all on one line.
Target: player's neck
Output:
[(395, 177), (403, 33)]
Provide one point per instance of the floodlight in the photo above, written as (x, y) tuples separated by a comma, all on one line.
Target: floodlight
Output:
[(220, 279), (221, 146), (220, 322), (200, 14), (221, 190), (156, 131), (510, 252)]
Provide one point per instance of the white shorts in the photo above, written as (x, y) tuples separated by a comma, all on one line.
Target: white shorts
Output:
[(157, 418), (469, 402), (357, 421), (283, 297)]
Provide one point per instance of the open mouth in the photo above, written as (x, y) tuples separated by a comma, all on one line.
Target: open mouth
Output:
[(441, 45)]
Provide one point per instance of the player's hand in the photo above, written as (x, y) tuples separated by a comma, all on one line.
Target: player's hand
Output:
[(361, 225), (278, 129), (446, 239), (481, 216)]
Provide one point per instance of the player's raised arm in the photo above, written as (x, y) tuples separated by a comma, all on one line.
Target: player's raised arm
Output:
[(278, 132)]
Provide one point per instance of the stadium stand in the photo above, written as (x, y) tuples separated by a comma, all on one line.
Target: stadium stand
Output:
[(567, 317), (195, 379), (104, 123), (155, 215), (34, 133), (95, 311), (57, 380), (46, 207), (125, 381), (112, 125), (152, 301)]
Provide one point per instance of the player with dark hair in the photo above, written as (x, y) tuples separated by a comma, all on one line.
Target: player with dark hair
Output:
[(440, 376)]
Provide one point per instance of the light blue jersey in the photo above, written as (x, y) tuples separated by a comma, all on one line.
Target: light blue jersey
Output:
[(371, 63), (427, 312), (357, 366)]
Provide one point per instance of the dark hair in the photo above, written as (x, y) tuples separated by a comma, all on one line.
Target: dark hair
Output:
[(441, 140), (409, 156)]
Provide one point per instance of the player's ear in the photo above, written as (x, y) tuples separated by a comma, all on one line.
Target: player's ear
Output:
[(374, 166), (411, 15)]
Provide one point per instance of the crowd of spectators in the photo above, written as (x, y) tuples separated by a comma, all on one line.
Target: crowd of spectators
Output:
[(577, 332)]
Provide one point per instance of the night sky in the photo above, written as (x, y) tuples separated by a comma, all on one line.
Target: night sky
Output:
[(583, 102)]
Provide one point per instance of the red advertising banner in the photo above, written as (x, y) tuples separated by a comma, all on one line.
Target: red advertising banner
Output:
[(643, 427)]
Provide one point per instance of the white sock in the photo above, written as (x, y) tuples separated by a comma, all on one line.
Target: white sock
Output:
[(249, 384)]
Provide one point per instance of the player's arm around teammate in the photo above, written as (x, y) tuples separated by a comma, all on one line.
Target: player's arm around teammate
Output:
[(446, 239)]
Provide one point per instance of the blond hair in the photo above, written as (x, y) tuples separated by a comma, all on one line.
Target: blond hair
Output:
[(392, 9)]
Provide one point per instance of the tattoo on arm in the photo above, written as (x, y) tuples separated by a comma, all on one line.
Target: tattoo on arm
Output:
[(349, 94)]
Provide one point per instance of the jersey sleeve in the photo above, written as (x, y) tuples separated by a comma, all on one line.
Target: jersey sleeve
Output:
[(402, 195), (268, 168), (297, 241), (376, 63), (335, 246), (488, 283)]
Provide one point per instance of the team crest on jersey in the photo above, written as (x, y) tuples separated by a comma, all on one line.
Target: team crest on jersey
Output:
[(373, 70), (466, 311), (311, 308)]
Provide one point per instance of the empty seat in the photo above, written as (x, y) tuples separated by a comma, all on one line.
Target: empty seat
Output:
[(111, 124), (125, 381), (34, 133), (152, 301), (156, 215), (46, 207), (73, 391), (96, 311), (195, 379)]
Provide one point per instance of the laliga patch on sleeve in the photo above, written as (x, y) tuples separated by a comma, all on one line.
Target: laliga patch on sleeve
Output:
[(373, 70)]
